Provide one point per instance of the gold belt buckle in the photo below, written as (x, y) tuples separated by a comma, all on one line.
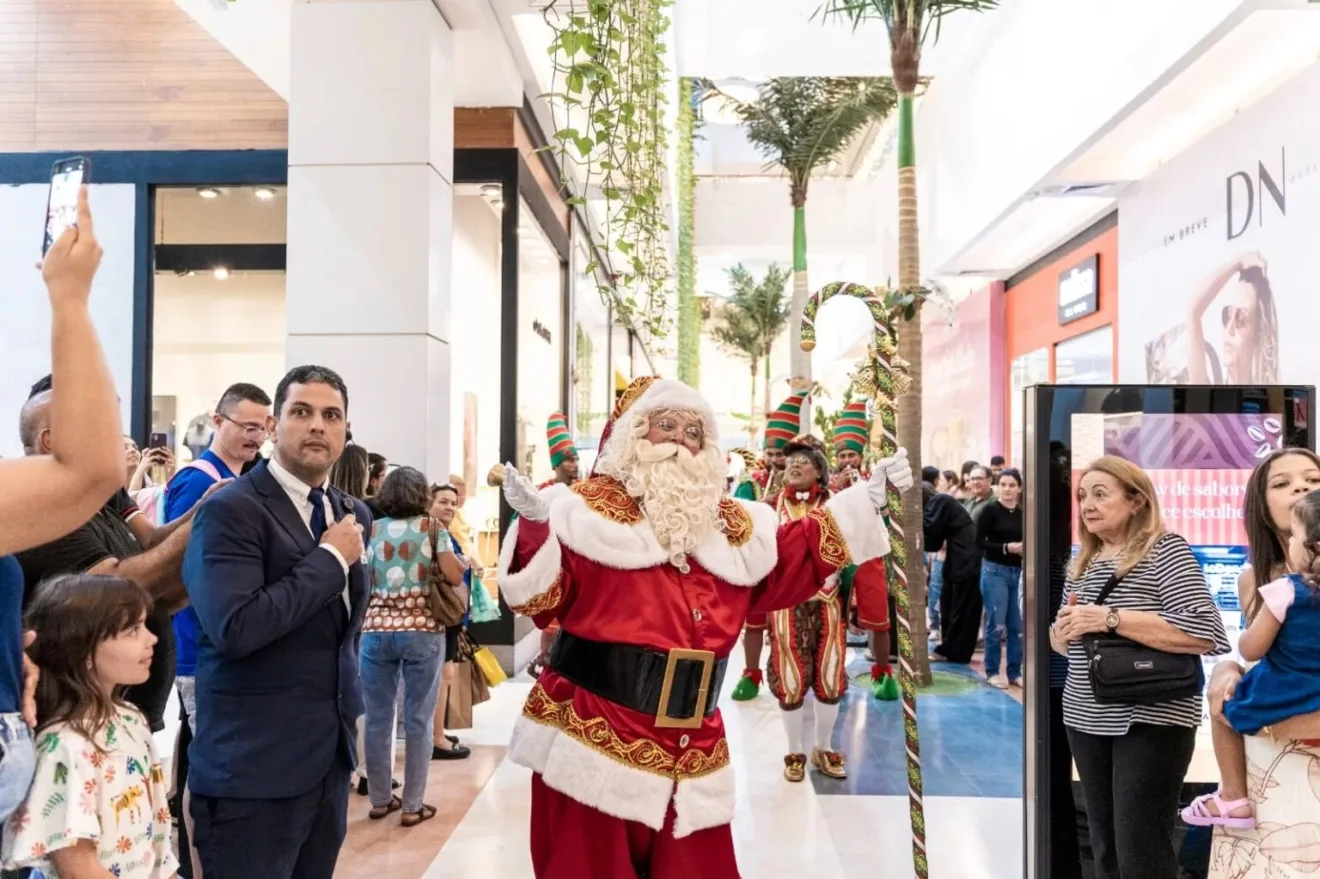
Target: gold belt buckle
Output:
[(707, 660)]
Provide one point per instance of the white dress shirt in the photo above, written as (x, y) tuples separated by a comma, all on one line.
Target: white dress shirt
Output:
[(298, 492)]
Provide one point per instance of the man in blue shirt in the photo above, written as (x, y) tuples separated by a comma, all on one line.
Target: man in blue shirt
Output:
[(241, 420)]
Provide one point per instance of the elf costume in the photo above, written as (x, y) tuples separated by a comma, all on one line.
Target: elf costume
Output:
[(783, 425), (866, 584)]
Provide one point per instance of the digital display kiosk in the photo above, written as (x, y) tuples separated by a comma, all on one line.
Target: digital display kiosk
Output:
[(1198, 445)]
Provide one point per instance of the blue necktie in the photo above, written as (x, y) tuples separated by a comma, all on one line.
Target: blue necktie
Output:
[(317, 497)]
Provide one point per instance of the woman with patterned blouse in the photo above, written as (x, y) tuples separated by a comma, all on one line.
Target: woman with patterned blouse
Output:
[(401, 637)]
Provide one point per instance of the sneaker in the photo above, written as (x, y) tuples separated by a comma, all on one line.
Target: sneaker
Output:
[(999, 682), (829, 763), (795, 767)]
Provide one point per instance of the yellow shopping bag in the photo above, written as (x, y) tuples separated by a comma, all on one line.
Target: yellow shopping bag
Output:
[(490, 667)]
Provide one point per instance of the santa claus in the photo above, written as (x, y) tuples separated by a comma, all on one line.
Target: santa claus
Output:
[(651, 573)]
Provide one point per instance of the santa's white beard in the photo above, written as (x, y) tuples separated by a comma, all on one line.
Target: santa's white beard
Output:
[(680, 494)]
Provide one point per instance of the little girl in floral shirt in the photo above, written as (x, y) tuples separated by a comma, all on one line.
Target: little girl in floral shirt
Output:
[(97, 806)]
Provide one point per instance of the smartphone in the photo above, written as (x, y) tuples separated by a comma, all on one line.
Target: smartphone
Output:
[(66, 176), (158, 441)]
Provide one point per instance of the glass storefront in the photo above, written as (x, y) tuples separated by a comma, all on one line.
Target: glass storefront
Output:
[(217, 307), (1087, 359), (1032, 368), (591, 399), (540, 343)]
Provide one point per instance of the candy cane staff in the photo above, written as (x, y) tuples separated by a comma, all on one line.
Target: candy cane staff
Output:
[(651, 573)]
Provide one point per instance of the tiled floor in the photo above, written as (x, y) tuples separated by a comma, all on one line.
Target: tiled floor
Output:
[(971, 760)]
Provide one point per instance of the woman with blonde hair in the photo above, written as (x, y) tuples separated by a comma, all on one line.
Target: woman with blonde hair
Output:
[(1131, 758)]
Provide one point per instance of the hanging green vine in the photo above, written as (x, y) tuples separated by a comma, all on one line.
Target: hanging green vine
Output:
[(608, 97), (689, 316)]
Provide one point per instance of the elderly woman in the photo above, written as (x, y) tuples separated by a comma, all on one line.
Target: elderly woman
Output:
[(1278, 481), (1131, 759)]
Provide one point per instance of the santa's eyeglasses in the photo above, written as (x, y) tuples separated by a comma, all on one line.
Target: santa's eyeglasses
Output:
[(691, 433)]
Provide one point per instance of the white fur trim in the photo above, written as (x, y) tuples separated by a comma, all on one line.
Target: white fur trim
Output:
[(864, 530), (668, 393), (704, 802), (591, 778), (537, 577), (612, 544), (553, 491), (749, 564)]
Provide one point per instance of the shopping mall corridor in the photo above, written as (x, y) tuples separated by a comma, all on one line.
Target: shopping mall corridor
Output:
[(971, 756)]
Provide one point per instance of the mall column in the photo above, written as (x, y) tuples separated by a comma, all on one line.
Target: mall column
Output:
[(371, 130)]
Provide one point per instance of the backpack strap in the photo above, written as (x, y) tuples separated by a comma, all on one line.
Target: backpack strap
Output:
[(1109, 587)]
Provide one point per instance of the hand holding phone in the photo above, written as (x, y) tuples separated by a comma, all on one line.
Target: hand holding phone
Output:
[(73, 259)]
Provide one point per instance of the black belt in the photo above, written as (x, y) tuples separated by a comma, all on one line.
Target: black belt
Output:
[(679, 688)]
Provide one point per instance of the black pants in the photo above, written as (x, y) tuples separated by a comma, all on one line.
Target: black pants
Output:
[(1131, 785), (1065, 857), (960, 616), (291, 838)]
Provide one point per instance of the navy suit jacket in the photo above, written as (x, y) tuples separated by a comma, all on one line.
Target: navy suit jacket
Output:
[(278, 692)]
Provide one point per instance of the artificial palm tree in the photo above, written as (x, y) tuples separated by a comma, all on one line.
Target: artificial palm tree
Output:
[(801, 124), (765, 304), (910, 24), (735, 332)]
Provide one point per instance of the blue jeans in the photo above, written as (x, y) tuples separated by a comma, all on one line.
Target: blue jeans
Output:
[(1003, 617), (936, 587), (18, 763), (418, 656)]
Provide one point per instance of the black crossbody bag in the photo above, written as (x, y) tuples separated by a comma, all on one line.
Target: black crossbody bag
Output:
[(1124, 672)]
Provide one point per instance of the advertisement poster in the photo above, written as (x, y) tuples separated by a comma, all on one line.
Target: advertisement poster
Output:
[(1217, 252), (1199, 465), (962, 390)]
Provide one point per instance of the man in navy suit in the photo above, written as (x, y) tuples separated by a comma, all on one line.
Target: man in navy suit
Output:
[(274, 571)]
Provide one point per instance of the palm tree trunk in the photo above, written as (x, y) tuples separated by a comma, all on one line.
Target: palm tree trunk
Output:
[(909, 405), (751, 410), (765, 390), (799, 360)]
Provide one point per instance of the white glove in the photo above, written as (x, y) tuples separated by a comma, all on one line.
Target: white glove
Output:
[(522, 495), (896, 471)]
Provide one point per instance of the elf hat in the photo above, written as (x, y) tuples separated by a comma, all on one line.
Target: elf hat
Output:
[(851, 430), (785, 422), (560, 441)]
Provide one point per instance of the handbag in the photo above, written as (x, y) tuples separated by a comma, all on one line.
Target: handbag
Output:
[(1124, 672), (448, 602)]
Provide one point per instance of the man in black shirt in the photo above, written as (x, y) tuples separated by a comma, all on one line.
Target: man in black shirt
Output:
[(120, 542)]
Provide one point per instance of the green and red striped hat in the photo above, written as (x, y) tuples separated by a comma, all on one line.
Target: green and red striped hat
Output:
[(851, 431), (560, 440), (785, 422)]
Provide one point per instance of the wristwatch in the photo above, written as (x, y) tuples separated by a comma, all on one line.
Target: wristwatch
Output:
[(1111, 620)]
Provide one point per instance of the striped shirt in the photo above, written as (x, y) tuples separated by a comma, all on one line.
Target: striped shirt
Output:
[(1167, 582)]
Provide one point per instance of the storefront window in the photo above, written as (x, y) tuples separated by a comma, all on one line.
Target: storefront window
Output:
[(1032, 368), (218, 312), (540, 343), (1087, 359), (592, 399), (475, 398)]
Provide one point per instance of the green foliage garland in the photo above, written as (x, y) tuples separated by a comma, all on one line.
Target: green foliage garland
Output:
[(609, 88), (689, 317)]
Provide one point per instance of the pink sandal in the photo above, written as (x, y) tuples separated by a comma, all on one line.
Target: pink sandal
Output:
[(1198, 815)]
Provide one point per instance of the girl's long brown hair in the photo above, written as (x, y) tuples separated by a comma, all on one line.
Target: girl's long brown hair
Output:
[(1145, 527), (72, 616), (1268, 551)]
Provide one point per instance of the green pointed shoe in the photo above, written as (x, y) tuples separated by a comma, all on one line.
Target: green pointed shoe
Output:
[(885, 688), (748, 686)]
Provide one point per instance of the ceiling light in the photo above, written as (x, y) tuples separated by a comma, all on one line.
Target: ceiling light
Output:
[(208, 192), (265, 193), (221, 273)]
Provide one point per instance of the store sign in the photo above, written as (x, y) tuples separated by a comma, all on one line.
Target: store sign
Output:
[(1079, 290), (541, 330)]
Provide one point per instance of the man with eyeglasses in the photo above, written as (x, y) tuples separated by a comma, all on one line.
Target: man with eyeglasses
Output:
[(241, 425)]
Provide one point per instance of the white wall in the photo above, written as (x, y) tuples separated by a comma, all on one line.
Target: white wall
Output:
[(211, 333), (25, 308)]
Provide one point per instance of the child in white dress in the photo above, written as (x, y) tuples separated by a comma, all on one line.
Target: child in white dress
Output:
[(97, 806)]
